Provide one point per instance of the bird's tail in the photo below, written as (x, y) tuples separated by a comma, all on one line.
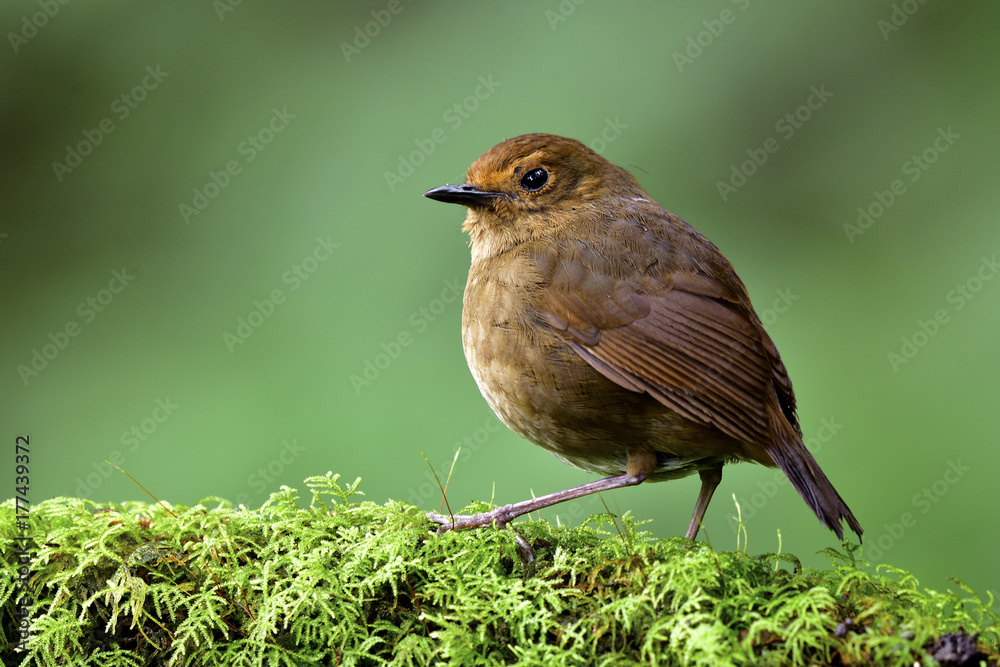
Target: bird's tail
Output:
[(789, 452)]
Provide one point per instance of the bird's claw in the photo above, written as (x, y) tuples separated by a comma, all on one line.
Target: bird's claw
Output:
[(448, 522)]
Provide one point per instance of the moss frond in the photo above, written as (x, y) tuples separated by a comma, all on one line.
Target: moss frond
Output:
[(348, 582)]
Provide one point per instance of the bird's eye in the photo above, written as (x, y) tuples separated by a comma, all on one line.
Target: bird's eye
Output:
[(535, 179)]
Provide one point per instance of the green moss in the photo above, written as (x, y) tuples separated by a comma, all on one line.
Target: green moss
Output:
[(356, 583)]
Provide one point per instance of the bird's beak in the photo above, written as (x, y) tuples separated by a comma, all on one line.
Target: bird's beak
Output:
[(465, 194)]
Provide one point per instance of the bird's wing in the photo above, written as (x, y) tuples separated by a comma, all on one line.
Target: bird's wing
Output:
[(683, 338)]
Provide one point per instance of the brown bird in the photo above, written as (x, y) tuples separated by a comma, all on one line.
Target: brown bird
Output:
[(607, 330)]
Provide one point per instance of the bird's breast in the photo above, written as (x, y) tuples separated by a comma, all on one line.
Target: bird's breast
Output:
[(509, 355), (544, 391)]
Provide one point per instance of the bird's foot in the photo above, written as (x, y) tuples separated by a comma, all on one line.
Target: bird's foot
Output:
[(501, 515)]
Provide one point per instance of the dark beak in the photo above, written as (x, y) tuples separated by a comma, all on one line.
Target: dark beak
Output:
[(465, 194)]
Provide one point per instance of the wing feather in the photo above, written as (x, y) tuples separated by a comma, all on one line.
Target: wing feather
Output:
[(692, 346)]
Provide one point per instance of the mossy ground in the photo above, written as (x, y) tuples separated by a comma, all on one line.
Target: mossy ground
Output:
[(357, 583)]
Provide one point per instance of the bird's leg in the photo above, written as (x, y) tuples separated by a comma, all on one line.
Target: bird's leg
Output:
[(524, 552), (638, 467), (502, 515), (710, 478)]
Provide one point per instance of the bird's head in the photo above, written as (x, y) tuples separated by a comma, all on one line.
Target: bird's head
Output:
[(534, 185)]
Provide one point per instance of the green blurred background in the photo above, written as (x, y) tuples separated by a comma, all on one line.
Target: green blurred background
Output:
[(310, 114)]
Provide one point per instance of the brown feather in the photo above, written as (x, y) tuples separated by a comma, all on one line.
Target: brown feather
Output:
[(607, 330), (696, 346)]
